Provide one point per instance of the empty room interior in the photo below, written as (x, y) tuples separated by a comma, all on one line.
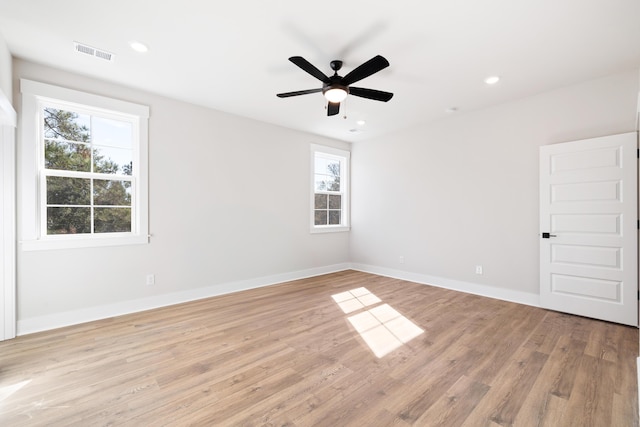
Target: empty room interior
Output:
[(336, 214)]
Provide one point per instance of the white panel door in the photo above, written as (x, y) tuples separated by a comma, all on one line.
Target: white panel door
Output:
[(588, 228)]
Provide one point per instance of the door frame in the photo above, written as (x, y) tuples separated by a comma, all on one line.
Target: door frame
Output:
[(8, 122)]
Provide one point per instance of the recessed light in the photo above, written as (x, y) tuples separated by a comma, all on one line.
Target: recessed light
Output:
[(361, 123), (138, 47), (492, 80), (451, 110)]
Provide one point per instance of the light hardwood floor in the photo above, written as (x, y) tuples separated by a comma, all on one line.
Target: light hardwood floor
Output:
[(286, 355)]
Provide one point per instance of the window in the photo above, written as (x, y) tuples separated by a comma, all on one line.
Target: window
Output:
[(84, 162), (330, 189)]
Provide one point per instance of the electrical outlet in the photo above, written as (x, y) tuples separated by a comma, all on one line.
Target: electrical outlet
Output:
[(401, 260), (478, 269), (151, 279)]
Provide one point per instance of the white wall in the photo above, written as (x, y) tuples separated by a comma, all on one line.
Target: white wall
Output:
[(5, 68), (463, 191), (229, 204)]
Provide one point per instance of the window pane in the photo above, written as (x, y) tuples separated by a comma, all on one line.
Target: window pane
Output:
[(112, 133), (320, 165), (320, 201), (61, 124), (327, 183), (334, 217), (327, 175), (335, 201), (112, 160), (111, 192), (63, 155), (320, 218), (68, 191), (333, 183), (333, 168), (112, 220), (320, 182), (68, 220)]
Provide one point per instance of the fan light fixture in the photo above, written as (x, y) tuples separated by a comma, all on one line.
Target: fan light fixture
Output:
[(335, 94)]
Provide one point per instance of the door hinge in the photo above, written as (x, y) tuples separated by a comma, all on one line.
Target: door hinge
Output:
[(638, 295), (639, 224), (638, 152)]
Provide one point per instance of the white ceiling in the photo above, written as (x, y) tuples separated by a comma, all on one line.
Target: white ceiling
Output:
[(232, 55)]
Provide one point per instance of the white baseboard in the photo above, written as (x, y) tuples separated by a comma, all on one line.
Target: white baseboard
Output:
[(519, 297), (74, 317)]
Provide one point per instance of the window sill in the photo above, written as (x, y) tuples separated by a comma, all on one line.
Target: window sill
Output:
[(330, 229), (74, 242)]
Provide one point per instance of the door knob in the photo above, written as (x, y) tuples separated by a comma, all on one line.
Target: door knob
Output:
[(547, 235)]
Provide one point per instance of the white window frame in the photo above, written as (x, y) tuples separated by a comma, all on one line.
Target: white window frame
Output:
[(345, 158), (32, 201)]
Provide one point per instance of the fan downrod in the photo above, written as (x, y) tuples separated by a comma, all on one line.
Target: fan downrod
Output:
[(336, 65)]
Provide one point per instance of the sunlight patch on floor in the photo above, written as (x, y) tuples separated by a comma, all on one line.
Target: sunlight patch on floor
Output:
[(8, 390), (355, 299), (382, 328)]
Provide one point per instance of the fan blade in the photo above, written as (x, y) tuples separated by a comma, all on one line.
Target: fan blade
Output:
[(376, 95), (372, 66), (299, 92), (333, 108), (309, 68)]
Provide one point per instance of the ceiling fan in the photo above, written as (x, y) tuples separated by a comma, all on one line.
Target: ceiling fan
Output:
[(336, 88)]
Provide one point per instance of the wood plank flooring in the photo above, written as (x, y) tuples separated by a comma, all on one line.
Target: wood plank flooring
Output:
[(287, 355)]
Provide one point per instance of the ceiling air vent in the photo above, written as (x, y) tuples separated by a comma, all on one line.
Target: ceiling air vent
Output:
[(92, 51)]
